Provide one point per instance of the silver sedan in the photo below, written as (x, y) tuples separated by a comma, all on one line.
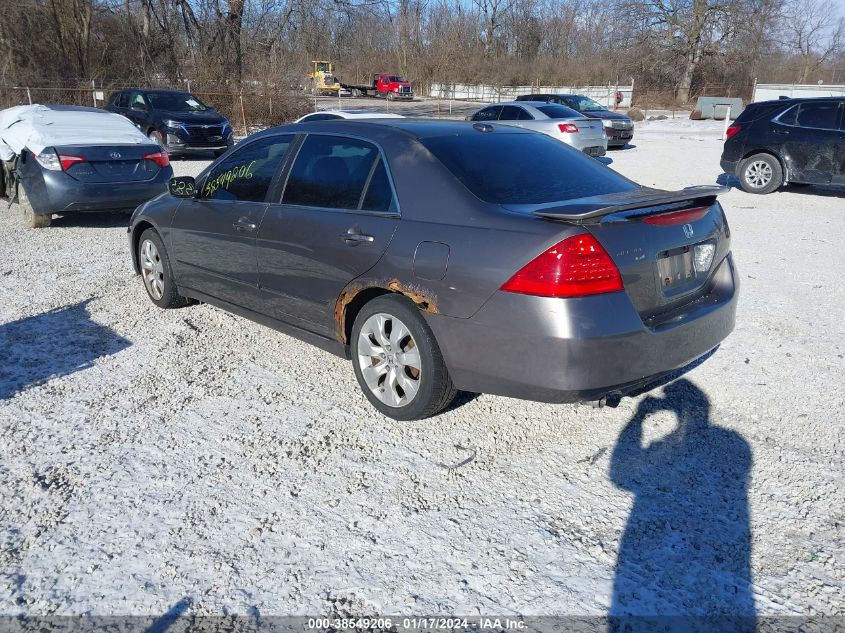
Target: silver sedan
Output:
[(552, 119)]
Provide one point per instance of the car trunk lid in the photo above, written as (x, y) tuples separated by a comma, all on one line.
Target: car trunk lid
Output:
[(665, 244), (111, 164)]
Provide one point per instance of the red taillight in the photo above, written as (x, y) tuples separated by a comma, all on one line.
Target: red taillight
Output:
[(160, 158), (567, 128), (733, 129), (67, 160), (576, 267), (677, 217)]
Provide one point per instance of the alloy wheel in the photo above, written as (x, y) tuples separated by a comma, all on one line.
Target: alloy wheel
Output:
[(758, 174), (152, 269), (389, 360)]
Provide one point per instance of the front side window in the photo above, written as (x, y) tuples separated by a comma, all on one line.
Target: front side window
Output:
[(339, 173), (821, 115), (138, 101), (246, 175), (121, 100), (585, 104)]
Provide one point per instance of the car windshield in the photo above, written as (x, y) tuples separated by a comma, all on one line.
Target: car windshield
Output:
[(585, 104), (504, 168), (175, 102), (556, 111)]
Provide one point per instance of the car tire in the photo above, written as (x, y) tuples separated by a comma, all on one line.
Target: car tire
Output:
[(760, 173), (156, 272), (31, 219), (385, 334)]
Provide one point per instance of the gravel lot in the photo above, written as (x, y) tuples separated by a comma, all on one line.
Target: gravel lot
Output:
[(150, 456)]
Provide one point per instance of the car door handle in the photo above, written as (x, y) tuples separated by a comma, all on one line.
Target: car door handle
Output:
[(244, 225), (353, 237), (780, 131)]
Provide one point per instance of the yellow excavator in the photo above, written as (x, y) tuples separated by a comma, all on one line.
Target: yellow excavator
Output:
[(322, 81)]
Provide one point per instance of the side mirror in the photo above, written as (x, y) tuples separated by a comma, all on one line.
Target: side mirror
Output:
[(182, 187)]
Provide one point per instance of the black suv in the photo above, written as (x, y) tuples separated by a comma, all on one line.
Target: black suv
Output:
[(176, 120), (797, 141), (618, 127)]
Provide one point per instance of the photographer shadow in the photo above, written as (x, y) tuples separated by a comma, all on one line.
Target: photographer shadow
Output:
[(684, 558)]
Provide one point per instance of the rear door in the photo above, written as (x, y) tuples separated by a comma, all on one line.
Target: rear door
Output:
[(811, 135), (839, 151), (214, 233), (336, 218)]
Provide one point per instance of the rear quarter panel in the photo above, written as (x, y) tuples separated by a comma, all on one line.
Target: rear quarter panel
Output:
[(486, 244)]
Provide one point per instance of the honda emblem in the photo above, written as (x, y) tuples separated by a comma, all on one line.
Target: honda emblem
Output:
[(688, 230)]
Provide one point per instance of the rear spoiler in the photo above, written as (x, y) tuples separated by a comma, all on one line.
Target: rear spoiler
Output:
[(587, 211)]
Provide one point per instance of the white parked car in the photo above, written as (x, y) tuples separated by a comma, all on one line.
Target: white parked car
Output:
[(552, 119), (329, 115)]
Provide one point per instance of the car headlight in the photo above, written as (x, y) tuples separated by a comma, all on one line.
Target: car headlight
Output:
[(607, 122), (396, 89), (226, 129)]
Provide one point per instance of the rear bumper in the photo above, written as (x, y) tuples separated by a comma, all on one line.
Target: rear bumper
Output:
[(729, 166), (56, 192), (570, 350)]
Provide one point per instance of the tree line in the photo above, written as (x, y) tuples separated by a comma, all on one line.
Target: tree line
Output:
[(681, 47)]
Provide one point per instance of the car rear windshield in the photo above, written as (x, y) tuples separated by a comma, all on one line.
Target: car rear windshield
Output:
[(504, 168), (556, 111), (175, 102)]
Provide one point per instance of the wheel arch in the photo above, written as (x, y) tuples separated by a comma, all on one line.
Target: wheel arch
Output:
[(774, 155), (137, 231), (355, 296)]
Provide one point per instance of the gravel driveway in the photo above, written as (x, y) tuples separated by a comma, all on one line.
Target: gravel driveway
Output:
[(149, 456)]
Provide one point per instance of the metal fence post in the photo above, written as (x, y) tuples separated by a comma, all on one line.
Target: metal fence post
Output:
[(29, 95), (243, 114), (94, 92)]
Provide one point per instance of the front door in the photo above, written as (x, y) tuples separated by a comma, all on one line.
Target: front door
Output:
[(810, 133), (336, 218), (214, 234)]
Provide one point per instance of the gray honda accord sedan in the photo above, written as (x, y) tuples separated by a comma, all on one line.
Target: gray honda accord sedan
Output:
[(441, 256)]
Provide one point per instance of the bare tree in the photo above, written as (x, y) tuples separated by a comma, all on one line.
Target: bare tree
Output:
[(813, 30)]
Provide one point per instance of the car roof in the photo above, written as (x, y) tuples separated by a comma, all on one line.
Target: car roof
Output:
[(416, 128), (550, 94), (792, 100), (72, 108), (175, 91)]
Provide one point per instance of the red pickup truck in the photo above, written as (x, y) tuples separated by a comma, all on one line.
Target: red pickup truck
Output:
[(384, 85)]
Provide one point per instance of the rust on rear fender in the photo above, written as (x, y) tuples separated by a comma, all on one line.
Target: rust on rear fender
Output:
[(415, 293)]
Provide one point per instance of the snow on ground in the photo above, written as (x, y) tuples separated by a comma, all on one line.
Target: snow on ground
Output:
[(150, 456)]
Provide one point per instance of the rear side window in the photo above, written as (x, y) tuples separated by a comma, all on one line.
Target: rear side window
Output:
[(507, 168), (557, 111), (487, 114), (514, 113), (334, 172), (121, 100), (245, 176), (822, 115)]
